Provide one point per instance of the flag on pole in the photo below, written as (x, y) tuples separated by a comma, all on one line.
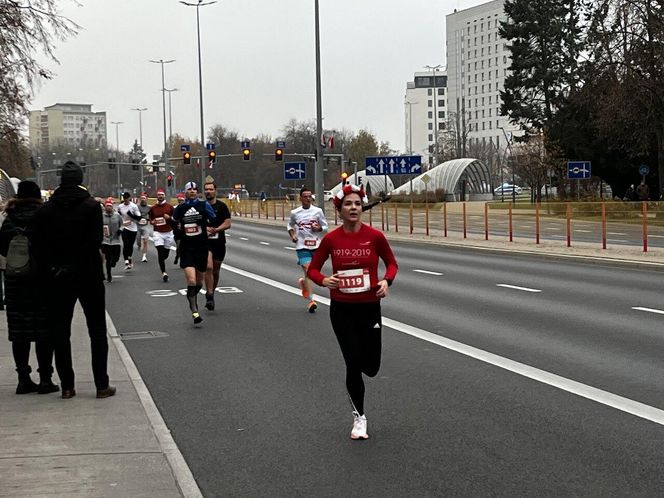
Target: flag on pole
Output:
[(327, 139)]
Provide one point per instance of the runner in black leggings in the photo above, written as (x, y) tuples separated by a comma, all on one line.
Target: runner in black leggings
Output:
[(355, 294)]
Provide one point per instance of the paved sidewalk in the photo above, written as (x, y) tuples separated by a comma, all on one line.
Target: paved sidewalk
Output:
[(85, 446)]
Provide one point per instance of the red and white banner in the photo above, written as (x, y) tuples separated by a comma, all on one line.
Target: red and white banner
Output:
[(327, 139)]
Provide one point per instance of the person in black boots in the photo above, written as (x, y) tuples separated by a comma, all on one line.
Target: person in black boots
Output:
[(26, 316), (68, 235)]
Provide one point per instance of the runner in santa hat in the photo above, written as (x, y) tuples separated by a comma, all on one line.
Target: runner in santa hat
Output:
[(160, 216), (355, 294), (144, 227)]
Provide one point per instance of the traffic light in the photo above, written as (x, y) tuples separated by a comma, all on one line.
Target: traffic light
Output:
[(246, 154), (169, 180), (278, 154), (344, 178), (186, 157), (111, 163), (212, 156)]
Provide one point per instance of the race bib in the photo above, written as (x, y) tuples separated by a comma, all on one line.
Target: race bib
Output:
[(127, 223), (192, 229), (353, 281), (107, 232), (143, 221), (159, 221), (310, 242)]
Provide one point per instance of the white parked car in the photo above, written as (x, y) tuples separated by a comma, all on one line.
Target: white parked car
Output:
[(507, 189), (327, 195)]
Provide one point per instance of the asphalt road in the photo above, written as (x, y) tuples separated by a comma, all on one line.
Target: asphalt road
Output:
[(501, 376)]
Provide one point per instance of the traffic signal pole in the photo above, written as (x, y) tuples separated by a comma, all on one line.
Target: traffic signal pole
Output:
[(318, 175)]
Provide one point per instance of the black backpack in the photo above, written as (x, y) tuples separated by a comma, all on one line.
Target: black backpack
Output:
[(19, 257)]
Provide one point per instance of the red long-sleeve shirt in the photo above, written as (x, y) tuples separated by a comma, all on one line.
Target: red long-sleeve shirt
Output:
[(355, 257)]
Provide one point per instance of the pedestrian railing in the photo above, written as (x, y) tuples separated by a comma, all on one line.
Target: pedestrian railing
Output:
[(606, 224)]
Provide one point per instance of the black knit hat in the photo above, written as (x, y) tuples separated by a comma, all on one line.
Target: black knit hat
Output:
[(28, 190), (72, 174)]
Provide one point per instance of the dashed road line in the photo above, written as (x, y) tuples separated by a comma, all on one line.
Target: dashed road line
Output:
[(516, 287), (606, 398), (649, 310), (264, 243), (428, 272), (244, 238)]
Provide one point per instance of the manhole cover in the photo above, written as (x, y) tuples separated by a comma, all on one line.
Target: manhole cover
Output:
[(146, 334)]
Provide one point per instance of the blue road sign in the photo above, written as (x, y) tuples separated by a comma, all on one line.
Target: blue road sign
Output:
[(578, 170), (281, 144), (393, 165), (209, 146), (294, 171), (184, 148), (644, 169), (245, 144)]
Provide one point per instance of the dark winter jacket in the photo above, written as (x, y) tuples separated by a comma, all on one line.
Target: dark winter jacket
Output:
[(68, 235), (26, 314)]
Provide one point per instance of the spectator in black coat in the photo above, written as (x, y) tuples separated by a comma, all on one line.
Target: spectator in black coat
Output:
[(26, 315), (69, 231)]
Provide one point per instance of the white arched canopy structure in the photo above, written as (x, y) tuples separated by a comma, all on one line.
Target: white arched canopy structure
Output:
[(449, 177), (372, 183), (7, 189)]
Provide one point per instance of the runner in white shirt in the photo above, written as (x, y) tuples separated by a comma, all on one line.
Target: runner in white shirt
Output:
[(130, 215), (144, 227), (306, 226)]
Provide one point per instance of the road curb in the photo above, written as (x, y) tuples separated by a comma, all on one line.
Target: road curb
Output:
[(181, 471)]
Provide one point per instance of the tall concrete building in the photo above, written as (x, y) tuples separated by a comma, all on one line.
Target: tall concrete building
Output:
[(477, 64), (68, 124), (426, 112)]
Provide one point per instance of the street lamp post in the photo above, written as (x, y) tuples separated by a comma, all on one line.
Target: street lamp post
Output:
[(508, 141), (435, 111), (140, 135), (117, 148), (318, 170), (170, 114), (163, 103), (200, 3)]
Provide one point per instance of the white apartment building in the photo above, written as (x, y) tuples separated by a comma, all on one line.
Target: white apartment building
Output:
[(425, 112), (477, 64), (68, 124)]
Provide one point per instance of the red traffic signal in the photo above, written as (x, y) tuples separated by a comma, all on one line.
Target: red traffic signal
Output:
[(186, 157), (169, 179)]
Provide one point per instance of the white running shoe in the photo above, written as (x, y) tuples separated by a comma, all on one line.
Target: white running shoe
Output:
[(145, 258), (359, 431)]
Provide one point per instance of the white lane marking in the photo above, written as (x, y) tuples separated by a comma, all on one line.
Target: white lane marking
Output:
[(289, 248), (582, 231), (606, 398), (553, 228), (243, 238), (264, 243), (657, 236), (525, 226), (429, 272), (649, 310), (616, 233), (515, 287)]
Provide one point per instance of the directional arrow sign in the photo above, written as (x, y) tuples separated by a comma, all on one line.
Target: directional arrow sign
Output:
[(393, 165), (294, 171), (578, 170)]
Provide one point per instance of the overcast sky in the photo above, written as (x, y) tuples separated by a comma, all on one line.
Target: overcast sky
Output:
[(258, 63)]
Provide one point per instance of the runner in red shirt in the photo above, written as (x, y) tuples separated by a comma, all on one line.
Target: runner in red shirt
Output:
[(355, 294)]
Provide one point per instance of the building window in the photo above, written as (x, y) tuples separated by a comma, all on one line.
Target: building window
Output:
[(430, 103), (430, 126), (441, 114), (441, 103), (430, 114), (429, 91), (441, 91), (430, 137)]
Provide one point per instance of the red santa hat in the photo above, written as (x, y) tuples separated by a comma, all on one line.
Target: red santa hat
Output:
[(160, 191)]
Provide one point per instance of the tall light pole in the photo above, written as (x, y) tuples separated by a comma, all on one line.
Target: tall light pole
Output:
[(435, 111), (410, 126), (140, 137), (200, 3), (163, 103), (117, 148), (318, 171), (170, 114)]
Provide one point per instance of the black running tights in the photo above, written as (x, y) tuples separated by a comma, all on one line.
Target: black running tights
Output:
[(358, 330), (128, 241), (162, 253)]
